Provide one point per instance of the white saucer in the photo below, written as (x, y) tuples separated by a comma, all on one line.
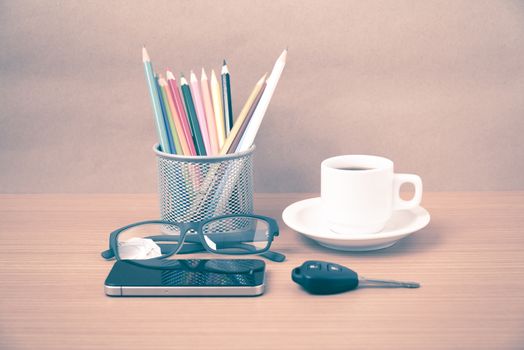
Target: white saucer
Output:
[(306, 218)]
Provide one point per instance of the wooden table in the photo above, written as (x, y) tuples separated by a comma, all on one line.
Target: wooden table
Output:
[(470, 261)]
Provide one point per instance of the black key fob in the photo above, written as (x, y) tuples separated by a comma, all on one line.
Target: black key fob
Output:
[(320, 277)]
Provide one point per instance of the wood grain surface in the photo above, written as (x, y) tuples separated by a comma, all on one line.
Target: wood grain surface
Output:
[(469, 260)]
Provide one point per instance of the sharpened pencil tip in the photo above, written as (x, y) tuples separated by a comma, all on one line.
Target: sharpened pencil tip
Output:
[(170, 75), (145, 55), (193, 77), (203, 76), (283, 56), (224, 63), (224, 69), (263, 79)]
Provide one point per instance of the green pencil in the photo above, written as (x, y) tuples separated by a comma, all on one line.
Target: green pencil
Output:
[(193, 121)]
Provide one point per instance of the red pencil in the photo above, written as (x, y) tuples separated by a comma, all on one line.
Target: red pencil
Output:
[(181, 111)]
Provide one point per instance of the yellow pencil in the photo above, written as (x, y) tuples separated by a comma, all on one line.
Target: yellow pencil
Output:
[(242, 116), (216, 96)]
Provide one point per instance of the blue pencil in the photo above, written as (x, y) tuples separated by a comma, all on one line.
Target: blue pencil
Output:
[(157, 109)]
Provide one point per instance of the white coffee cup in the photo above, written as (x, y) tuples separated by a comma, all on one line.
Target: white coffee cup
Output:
[(359, 193)]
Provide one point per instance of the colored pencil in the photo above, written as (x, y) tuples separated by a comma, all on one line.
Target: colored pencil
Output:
[(254, 124), (210, 114), (216, 96), (240, 122), (174, 120), (247, 119), (226, 98), (222, 192), (176, 147), (155, 101), (201, 113), (179, 106), (192, 117), (172, 148)]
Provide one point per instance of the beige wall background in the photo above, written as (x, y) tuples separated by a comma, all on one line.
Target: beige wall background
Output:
[(437, 86)]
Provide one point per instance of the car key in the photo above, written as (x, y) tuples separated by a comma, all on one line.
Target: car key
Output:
[(321, 277)]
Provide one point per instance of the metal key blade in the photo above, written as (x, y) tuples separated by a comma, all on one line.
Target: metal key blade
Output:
[(369, 282)]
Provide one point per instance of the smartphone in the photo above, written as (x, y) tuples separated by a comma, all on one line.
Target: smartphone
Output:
[(190, 277)]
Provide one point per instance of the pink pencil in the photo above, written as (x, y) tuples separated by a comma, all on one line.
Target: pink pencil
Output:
[(177, 99), (210, 115), (201, 113)]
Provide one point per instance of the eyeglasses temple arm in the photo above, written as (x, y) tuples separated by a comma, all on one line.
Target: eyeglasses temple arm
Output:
[(274, 256), (108, 254)]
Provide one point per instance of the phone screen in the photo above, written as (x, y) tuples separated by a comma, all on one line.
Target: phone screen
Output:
[(187, 273)]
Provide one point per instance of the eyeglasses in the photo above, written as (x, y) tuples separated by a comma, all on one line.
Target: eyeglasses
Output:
[(229, 234)]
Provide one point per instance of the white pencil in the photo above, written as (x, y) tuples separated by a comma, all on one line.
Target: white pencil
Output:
[(254, 124)]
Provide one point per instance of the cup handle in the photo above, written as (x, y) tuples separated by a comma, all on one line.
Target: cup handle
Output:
[(398, 181)]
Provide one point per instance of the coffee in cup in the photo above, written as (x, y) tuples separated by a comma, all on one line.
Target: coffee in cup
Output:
[(360, 192)]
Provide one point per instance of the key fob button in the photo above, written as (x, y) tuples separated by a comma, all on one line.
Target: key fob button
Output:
[(313, 266), (336, 268)]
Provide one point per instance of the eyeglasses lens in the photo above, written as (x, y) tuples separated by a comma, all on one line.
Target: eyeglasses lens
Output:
[(237, 235), (148, 241)]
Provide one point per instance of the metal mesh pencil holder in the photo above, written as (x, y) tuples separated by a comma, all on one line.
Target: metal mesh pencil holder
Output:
[(197, 188)]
